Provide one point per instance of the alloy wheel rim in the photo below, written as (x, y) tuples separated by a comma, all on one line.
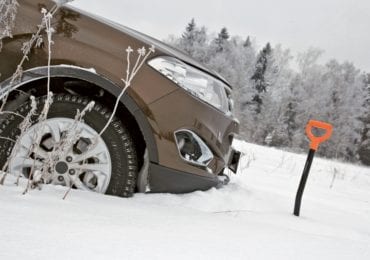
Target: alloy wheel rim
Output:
[(85, 165)]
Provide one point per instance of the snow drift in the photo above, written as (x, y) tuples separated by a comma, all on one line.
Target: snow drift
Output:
[(251, 218)]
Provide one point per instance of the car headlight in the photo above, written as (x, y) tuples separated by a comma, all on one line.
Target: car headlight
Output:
[(197, 82)]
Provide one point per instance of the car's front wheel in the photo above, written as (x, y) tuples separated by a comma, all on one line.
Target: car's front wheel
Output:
[(104, 164)]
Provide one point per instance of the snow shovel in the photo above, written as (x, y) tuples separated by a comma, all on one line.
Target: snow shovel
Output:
[(314, 145)]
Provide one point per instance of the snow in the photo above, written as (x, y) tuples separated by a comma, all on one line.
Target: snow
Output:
[(251, 218), (62, 2), (92, 70)]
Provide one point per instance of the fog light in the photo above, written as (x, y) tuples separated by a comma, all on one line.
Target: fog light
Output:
[(192, 148)]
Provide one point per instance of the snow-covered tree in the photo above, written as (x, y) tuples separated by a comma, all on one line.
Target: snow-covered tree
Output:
[(221, 40), (272, 123), (259, 82), (278, 97), (194, 41), (331, 93), (364, 148), (343, 108), (307, 100), (248, 42), (190, 31)]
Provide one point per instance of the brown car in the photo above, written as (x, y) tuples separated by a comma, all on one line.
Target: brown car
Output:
[(173, 129)]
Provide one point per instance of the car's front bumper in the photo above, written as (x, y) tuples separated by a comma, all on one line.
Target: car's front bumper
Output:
[(167, 180), (180, 110)]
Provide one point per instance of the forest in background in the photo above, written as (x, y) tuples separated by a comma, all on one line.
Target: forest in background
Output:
[(277, 93)]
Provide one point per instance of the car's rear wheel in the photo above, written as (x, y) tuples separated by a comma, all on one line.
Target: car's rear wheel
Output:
[(104, 164)]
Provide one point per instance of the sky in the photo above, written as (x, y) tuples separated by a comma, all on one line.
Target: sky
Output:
[(339, 27)]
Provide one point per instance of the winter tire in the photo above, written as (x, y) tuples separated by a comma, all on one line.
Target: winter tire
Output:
[(107, 164)]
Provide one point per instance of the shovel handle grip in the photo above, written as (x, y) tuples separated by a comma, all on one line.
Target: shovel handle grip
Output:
[(317, 140)]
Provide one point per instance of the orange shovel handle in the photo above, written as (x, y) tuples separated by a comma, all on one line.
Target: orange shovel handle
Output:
[(317, 140)]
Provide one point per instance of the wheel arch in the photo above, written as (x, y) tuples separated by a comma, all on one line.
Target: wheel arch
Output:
[(90, 76)]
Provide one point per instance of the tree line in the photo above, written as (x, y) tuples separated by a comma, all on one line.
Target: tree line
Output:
[(276, 93)]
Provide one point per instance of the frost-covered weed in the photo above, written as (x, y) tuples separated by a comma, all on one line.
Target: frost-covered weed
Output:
[(8, 12), (70, 137)]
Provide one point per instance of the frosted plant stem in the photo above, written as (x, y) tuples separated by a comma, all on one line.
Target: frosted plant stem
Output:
[(3, 172), (46, 24), (19, 71), (130, 74), (129, 77), (26, 123), (8, 139), (69, 189), (24, 126), (72, 182), (49, 31), (335, 172), (11, 113)]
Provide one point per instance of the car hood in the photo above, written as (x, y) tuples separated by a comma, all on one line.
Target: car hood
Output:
[(163, 47)]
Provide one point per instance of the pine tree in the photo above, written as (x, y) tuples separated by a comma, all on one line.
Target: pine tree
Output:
[(189, 30), (261, 66), (222, 39), (258, 78), (194, 42), (277, 109), (188, 37), (224, 34), (247, 42)]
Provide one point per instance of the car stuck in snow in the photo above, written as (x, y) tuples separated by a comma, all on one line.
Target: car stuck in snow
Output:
[(173, 128)]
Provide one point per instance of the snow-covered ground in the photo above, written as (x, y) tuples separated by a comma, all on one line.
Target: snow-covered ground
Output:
[(251, 218)]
